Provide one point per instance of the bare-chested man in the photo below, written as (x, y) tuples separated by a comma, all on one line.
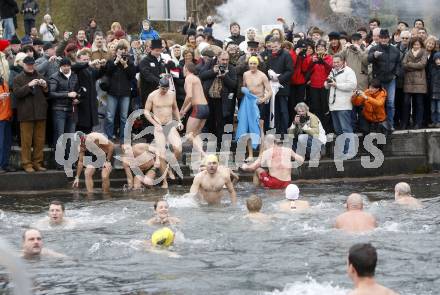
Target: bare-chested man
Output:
[(160, 109), (361, 266), (32, 246), (98, 143), (258, 84), (209, 183), (196, 99), (145, 157), (355, 220), (278, 159), (55, 217), (402, 195)]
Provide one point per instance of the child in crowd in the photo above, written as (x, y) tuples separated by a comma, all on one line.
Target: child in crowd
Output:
[(435, 86)]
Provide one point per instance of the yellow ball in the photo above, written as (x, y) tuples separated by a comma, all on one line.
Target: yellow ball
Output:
[(162, 237)]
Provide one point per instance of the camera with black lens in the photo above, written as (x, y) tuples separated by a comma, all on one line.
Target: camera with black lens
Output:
[(124, 57), (304, 119), (222, 69), (81, 92), (330, 80), (254, 54)]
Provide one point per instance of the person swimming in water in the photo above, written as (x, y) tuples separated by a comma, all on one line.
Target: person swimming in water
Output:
[(361, 266), (254, 205), (55, 217), (402, 195), (162, 216), (209, 183), (355, 220), (160, 242), (277, 159), (292, 202), (32, 246)]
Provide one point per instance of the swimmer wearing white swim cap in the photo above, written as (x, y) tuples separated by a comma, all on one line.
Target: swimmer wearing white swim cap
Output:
[(292, 202)]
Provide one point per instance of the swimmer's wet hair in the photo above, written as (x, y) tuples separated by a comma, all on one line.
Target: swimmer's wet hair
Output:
[(363, 257), (254, 203), (23, 236), (57, 203), (157, 202)]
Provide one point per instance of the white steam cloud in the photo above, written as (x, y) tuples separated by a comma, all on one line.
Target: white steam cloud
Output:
[(253, 13)]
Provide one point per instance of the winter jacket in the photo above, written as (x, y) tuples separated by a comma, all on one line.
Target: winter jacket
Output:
[(374, 107), (31, 101), (435, 82), (319, 71), (149, 35), (340, 97), (29, 9), (300, 66), (312, 127), (150, 69), (207, 76), (120, 78), (86, 45), (14, 72), (401, 72), (59, 88), (48, 32), (282, 64), (98, 54), (188, 26), (357, 60), (8, 8), (237, 39), (415, 74), (88, 108), (248, 118), (5, 103), (45, 67), (386, 66)]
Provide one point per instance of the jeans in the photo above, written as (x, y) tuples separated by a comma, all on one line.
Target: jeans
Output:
[(435, 111), (112, 104), (281, 114), (308, 144), (390, 87), (8, 28), (63, 123), (417, 106), (5, 143), (342, 123)]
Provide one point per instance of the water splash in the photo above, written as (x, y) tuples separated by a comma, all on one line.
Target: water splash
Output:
[(310, 287), (185, 201)]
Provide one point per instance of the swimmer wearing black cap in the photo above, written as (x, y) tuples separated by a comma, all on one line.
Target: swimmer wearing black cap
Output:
[(162, 112)]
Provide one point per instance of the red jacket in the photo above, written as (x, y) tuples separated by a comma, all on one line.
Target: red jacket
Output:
[(319, 71), (79, 46), (300, 66)]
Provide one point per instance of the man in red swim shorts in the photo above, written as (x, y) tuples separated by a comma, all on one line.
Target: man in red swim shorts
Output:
[(277, 159)]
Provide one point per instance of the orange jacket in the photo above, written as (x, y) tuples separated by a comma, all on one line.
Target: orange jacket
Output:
[(373, 107), (5, 104)]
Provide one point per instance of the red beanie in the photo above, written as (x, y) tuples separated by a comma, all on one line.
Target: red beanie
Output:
[(119, 34), (3, 44)]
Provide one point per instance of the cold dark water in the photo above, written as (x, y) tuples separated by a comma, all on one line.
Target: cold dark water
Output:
[(223, 253)]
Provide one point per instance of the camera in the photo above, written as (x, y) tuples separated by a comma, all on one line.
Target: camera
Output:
[(124, 57), (254, 54), (330, 80), (304, 119), (82, 91), (222, 69), (357, 92)]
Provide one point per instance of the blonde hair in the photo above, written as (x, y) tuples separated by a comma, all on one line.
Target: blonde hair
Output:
[(114, 25), (254, 203), (19, 58)]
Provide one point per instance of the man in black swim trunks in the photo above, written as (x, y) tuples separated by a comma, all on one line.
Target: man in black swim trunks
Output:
[(196, 99)]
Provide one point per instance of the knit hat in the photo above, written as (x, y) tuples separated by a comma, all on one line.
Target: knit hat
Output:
[(29, 60), (38, 42), (65, 62), (119, 34), (437, 55), (48, 45), (334, 36), (26, 40), (3, 44)]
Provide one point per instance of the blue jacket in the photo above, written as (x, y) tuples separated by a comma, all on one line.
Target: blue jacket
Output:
[(149, 35), (248, 118)]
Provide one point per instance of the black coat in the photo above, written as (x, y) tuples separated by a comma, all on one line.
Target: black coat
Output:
[(386, 66), (59, 88), (88, 108), (207, 76), (150, 70), (435, 81), (281, 64), (8, 8), (120, 78), (237, 39)]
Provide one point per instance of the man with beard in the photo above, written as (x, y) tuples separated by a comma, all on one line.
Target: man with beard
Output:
[(209, 183)]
